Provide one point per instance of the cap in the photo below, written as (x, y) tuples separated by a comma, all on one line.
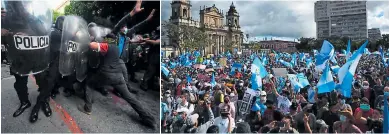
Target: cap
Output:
[(320, 124), (364, 99), (193, 119), (182, 110), (262, 93), (271, 76), (224, 110), (308, 107)]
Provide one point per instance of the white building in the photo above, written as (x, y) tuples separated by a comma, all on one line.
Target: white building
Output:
[(342, 19), (374, 34)]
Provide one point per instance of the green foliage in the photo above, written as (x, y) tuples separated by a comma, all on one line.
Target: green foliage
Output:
[(186, 37), (85, 9), (56, 15), (307, 44)]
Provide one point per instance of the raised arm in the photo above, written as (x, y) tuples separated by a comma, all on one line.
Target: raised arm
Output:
[(128, 17), (140, 25)]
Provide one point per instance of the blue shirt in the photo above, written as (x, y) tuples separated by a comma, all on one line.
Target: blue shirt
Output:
[(164, 109), (121, 44)]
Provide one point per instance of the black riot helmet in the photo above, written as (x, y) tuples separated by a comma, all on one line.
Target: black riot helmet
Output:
[(59, 22), (92, 24), (30, 17)]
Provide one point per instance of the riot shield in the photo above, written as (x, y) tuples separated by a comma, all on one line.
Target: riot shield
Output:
[(27, 26), (75, 41), (97, 34)]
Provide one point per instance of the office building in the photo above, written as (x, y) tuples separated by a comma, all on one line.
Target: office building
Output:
[(341, 19)]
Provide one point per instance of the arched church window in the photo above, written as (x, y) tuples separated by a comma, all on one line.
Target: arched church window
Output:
[(215, 21), (185, 12), (236, 22), (175, 12)]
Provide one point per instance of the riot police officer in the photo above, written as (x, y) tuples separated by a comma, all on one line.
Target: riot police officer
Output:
[(153, 61), (110, 73), (28, 38)]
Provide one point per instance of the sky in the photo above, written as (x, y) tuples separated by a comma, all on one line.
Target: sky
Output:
[(283, 20)]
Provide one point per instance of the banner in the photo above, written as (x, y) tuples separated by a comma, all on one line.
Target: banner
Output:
[(280, 72), (245, 105)]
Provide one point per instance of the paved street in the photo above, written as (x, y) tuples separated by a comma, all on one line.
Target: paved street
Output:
[(110, 114)]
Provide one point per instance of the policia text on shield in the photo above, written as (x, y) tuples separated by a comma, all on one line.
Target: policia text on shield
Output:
[(75, 55)]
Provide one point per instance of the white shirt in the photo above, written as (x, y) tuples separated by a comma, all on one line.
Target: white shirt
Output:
[(223, 124), (283, 104)]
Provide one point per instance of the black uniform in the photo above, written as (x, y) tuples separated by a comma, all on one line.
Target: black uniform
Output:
[(153, 68), (110, 73), (20, 84)]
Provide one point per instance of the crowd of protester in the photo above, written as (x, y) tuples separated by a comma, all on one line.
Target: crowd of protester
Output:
[(212, 94)]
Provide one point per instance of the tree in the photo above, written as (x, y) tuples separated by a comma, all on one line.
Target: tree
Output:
[(56, 15), (306, 44), (186, 37)]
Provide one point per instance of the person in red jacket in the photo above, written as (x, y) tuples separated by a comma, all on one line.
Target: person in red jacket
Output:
[(110, 73)]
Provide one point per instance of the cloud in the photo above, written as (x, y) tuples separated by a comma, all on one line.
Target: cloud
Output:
[(282, 19)]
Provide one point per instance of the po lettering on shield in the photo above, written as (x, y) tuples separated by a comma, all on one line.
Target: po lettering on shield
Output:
[(31, 42), (72, 46)]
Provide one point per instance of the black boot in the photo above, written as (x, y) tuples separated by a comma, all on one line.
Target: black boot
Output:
[(143, 86), (67, 92), (116, 93), (148, 120), (46, 109), (134, 80), (34, 114), (104, 91), (82, 108), (23, 106)]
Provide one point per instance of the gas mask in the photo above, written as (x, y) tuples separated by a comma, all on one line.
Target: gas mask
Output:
[(125, 30), (263, 99), (167, 95), (342, 118)]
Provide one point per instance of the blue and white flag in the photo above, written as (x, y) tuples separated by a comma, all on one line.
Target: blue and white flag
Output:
[(309, 62), (281, 81), (315, 52), (367, 51), (287, 64), (326, 82), (213, 81), (327, 52), (173, 64), (311, 95), (302, 57), (188, 79), (165, 71), (302, 79), (335, 69), (196, 53), (294, 60), (347, 71), (296, 85), (234, 67), (264, 61), (256, 81), (258, 68), (344, 52)]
